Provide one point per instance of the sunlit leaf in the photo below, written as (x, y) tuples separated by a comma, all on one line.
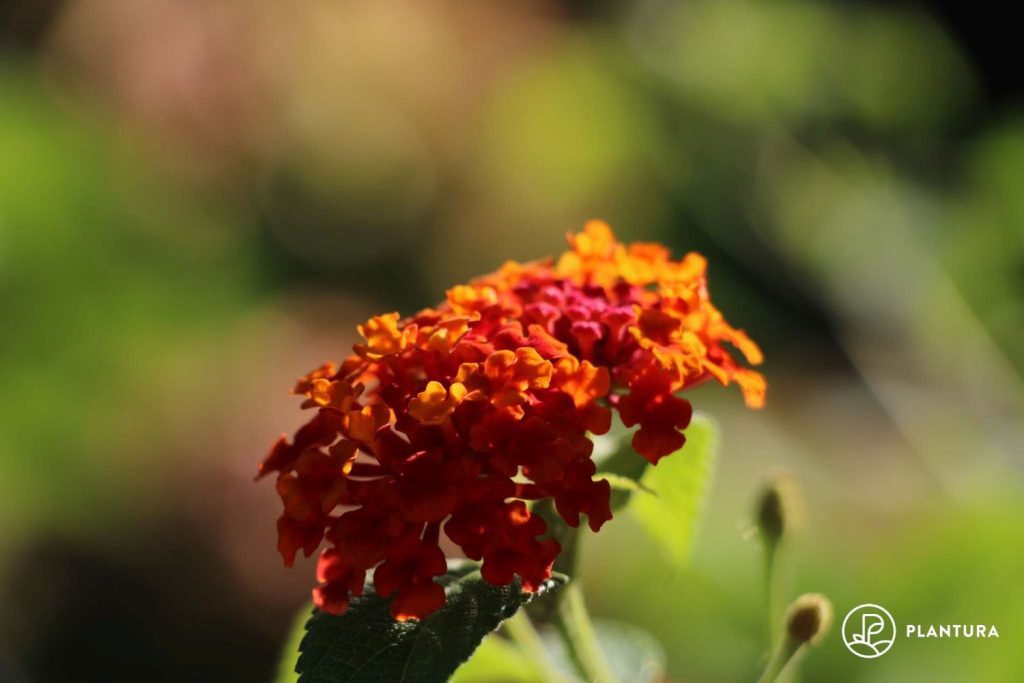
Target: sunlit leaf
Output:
[(496, 660), (622, 467), (679, 484), (290, 651)]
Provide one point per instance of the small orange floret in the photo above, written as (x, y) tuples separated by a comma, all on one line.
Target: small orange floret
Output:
[(434, 404), (383, 337), (596, 241), (584, 382), (471, 298), (451, 420), (304, 385)]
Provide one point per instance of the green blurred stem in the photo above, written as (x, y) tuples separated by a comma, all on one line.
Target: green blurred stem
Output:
[(783, 655), (520, 629), (580, 638), (771, 591), (568, 610)]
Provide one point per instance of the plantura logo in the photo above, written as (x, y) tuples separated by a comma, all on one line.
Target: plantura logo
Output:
[(952, 631), (869, 631)]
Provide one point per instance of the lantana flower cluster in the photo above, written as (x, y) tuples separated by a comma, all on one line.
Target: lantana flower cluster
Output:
[(454, 420)]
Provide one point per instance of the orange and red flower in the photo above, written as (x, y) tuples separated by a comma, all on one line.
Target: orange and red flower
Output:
[(450, 420)]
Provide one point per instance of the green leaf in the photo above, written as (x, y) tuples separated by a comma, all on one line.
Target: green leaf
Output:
[(680, 483), (496, 660), (290, 651), (621, 466), (621, 483), (635, 656), (366, 644)]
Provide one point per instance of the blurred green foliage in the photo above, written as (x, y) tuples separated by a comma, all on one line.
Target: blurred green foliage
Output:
[(110, 284), (934, 566)]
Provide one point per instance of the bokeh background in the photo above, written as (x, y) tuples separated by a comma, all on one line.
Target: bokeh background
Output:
[(199, 199)]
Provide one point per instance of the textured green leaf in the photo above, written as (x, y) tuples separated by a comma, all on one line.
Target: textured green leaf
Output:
[(365, 644), (679, 483)]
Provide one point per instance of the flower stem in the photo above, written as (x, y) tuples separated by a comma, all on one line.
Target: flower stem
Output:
[(783, 655), (771, 584), (567, 609), (521, 630), (580, 638)]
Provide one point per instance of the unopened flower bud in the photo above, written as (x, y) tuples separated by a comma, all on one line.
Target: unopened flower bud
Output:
[(779, 508), (809, 618), (769, 515)]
